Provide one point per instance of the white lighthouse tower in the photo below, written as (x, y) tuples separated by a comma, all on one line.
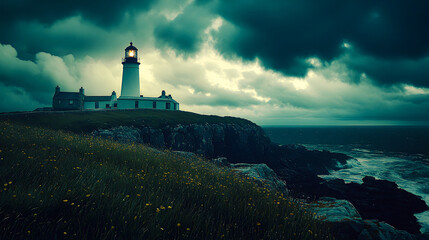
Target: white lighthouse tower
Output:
[(130, 92), (130, 73)]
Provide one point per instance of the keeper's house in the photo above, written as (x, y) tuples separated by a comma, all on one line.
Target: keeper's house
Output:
[(130, 93)]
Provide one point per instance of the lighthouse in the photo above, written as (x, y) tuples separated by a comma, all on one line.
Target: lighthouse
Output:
[(130, 73), (130, 93)]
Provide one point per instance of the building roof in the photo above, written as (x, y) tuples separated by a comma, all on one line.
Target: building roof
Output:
[(97, 98), (67, 95), (155, 99), (131, 47)]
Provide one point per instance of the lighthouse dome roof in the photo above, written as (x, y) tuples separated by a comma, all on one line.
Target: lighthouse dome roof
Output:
[(131, 47)]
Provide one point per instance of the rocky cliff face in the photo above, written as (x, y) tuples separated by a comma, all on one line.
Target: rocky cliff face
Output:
[(238, 143)]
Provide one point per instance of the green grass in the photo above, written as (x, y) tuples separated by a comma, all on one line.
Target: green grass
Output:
[(57, 185), (85, 121)]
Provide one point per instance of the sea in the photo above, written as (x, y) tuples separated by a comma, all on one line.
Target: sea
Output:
[(395, 153)]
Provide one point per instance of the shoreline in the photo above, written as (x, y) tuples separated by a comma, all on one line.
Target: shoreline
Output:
[(355, 171)]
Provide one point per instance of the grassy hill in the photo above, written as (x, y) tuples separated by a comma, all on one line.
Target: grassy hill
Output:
[(83, 121), (58, 185)]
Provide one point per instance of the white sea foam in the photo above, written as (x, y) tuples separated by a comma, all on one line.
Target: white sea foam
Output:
[(410, 172)]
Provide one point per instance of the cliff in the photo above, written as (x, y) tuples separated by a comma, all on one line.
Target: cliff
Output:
[(298, 166), (239, 141)]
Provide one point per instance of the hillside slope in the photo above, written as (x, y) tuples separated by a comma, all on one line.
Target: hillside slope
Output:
[(63, 185)]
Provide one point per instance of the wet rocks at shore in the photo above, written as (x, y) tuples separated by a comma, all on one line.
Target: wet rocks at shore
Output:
[(346, 223)]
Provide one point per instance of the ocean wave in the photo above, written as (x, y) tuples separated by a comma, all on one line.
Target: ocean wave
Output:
[(409, 171)]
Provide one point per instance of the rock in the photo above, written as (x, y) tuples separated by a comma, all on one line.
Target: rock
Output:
[(378, 199), (195, 138), (346, 223), (185, 154), (261, 173), (125, 134), (334, 210), (424, 236), (374, 199), (221, 162), (374, 229), (156, 138), (370, 181), (312, 161)]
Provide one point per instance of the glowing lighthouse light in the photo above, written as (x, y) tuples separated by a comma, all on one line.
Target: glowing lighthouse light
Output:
[(130, 73)]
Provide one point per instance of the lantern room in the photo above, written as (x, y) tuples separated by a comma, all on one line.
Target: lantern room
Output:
[(130, 54)]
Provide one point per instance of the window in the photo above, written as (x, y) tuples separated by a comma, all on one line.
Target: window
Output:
[(154, 105), (107, 106), (97, 104), (167, 105), (175, 106), (115, 105), (137, 104), (71, 102)]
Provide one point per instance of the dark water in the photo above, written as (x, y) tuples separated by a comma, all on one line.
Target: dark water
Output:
[(406, 139), (395, 153)]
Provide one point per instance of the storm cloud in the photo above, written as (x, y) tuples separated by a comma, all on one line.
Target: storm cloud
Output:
[(274, 62), (283, 34)]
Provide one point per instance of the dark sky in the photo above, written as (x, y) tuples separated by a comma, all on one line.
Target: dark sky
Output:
[(274, 62)]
